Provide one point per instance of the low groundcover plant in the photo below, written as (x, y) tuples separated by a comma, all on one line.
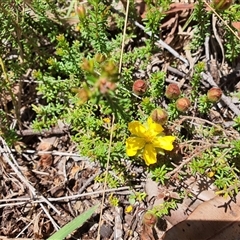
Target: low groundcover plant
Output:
[(147, 140)]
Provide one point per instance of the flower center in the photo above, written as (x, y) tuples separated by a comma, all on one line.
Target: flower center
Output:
[(149, 137)]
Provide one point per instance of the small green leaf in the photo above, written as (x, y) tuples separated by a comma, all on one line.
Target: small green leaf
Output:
[(74, 224)]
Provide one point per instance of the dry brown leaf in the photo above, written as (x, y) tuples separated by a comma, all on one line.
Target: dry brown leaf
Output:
[(188, 205), (236, 25), (174, 8), (147, 233), (45, 146), (179, 7), (183, 211), (36, 227), (75, 169), (18, 146), (46, 160), (172, 23), (211, 220), (156, 195), (8, 97)]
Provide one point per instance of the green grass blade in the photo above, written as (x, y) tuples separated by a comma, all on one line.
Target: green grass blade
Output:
[(74, 224)]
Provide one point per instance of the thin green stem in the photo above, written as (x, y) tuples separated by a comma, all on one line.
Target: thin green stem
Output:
[(8, 87)]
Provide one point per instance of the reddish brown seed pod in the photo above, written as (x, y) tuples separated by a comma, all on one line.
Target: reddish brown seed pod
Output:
[(172, 91), (159, 116), (139, 87), (183, 104), (81, 11), (214, 94)]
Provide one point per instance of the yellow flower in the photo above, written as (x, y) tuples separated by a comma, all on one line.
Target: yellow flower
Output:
[(106, 120), (148, 140), (129, 209)]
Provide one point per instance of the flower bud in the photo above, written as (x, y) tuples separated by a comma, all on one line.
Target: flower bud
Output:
[(183, 104), (83, 94), (172, 91), (110, 68), (99, 57), (214, 94), (159, 116), (149, 219), (139, 87), (105, 85), (60, 38), (81, 11), (87, 65)]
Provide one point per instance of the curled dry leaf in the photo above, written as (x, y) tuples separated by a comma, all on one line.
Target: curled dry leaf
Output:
[(215, 219), (147, 233), (74, 171), (45, 146), (46, 160), (157, 195), (188, 205)]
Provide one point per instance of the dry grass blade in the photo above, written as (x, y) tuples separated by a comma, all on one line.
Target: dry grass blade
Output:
[(105, 180), (112, 124), (9, 158)]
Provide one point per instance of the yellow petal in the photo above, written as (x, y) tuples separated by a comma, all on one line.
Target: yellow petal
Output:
[(154, 127), (136, 128), (149, 154), (165, 142), (128, 209), (211, 174), (133, 144)]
